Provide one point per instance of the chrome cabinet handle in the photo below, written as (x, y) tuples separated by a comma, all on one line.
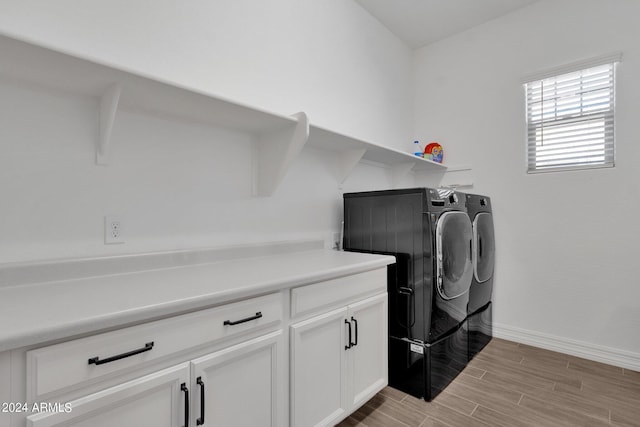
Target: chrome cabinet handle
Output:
[(96, 360)]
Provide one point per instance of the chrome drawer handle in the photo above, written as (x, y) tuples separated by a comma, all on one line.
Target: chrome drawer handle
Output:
[(248, 319), (96, 360)]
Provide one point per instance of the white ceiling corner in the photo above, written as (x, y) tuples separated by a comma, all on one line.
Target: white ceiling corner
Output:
[(421, 22)]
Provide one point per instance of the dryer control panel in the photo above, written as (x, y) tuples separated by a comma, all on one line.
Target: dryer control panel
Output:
[(445, 198)]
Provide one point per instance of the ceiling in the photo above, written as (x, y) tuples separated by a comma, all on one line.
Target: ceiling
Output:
[(421, 22)]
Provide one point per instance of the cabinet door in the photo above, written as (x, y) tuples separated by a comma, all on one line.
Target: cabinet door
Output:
[(242, 385), (368, 365), (318, 369), (153, 400)]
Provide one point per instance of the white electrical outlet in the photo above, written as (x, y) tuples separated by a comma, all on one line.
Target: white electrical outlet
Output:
[(113, 230)]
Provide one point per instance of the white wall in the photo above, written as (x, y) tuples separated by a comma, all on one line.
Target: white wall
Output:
[(567, 242), (180, 185)]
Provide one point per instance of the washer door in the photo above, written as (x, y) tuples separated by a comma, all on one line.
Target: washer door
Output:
[(483, 247), (453, 248)]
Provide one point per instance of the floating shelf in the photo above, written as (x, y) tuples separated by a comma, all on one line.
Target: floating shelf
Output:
[(352, 150), (59, 71), (280, 138), (120, 89)]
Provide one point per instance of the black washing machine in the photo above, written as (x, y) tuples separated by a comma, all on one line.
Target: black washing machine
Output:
[(479, 320), (430, 234)]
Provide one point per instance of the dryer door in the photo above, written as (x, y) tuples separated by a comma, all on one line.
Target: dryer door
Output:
[(483, 247), (453, 245)]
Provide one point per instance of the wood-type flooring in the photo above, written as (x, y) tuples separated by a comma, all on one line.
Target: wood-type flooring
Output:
[(512, 385)]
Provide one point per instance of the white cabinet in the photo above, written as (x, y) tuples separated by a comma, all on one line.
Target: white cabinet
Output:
[(240, 385), (241, 380), (225, 366), (338, 361), (237, 386), (157, 400), (318, 369), (368, 359), (79, 362)]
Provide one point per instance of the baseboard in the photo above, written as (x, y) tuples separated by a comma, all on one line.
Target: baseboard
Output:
[(612, 356)]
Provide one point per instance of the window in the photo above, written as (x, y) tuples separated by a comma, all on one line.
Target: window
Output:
[(570, 117)]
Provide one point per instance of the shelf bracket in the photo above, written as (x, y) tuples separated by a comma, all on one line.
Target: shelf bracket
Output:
[(399, 171), (108, 109), (348, 161), (275, 152)]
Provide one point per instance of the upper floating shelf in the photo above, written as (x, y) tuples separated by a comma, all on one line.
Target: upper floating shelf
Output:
[(280, 138), (56, 70), (352, 150), (117, 89), (330, 140)]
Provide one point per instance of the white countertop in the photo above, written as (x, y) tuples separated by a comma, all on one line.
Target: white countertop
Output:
[(37, 312)]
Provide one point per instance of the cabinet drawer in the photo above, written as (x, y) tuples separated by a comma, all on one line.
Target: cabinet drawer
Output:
[(335, 293), (71, 364)]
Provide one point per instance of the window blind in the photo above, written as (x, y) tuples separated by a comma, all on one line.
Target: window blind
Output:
[(570, 120)]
